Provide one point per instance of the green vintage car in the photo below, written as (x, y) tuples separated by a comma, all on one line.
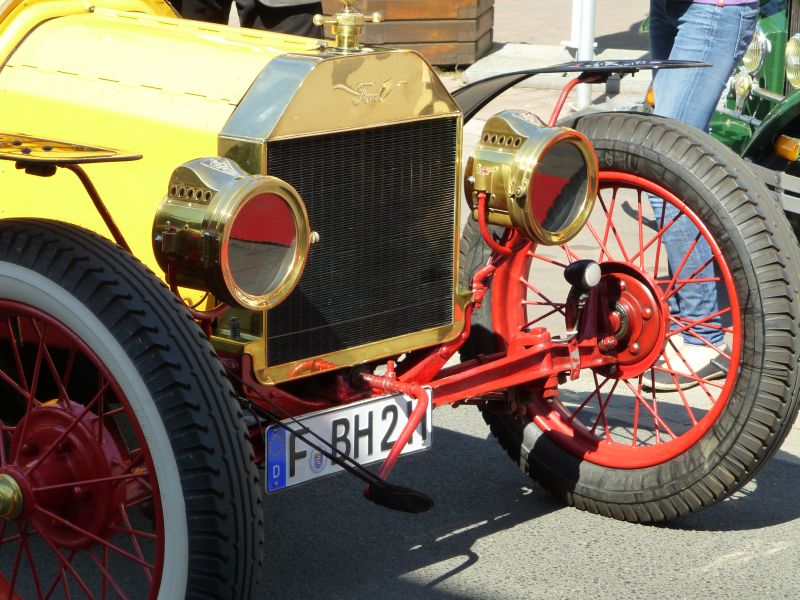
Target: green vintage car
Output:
[(759, 117)]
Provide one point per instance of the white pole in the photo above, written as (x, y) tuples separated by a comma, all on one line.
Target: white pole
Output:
[(575, 33), (586, 48)]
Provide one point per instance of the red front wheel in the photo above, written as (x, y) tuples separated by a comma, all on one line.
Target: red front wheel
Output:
[(118, 435), (699, 299)]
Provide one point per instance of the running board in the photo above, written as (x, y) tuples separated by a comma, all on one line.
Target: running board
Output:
[(785, 187)]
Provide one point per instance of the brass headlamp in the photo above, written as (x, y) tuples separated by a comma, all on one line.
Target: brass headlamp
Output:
[(242, 237), (540, 180)]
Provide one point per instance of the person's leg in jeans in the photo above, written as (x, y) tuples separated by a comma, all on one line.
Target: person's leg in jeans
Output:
[(683, 30)]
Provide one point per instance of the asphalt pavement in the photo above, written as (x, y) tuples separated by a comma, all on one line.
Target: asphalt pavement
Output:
[(495, 535)]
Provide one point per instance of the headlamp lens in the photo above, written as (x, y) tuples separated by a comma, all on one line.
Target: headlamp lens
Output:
[(793, 61), (756, 52), (560, 179), (261, 245)]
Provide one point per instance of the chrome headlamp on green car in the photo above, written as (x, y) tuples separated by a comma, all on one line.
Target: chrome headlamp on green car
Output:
[(759, 118), (757, 52), (793, 61)]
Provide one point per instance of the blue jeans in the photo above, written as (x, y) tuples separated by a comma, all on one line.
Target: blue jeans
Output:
[(683, 30)]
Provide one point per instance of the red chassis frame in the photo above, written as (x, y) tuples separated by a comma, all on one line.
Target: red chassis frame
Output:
[(533, 359)]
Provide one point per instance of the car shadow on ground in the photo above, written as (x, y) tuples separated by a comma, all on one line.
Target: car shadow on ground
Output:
[(323, 540)]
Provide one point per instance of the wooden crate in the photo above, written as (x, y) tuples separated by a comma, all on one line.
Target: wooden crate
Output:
[(452, 53), (456, 32), (410, 10)]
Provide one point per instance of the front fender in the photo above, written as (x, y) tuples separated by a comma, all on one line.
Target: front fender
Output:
[(776, 122), (474, 96)]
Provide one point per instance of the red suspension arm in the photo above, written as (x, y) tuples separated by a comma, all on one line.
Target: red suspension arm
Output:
[(415, 390)]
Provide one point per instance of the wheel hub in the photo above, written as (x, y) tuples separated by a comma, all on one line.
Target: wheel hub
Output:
[(639, 317), (63, 474)]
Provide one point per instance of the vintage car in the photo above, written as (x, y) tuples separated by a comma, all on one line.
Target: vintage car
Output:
[(231, 262), (760, 115)]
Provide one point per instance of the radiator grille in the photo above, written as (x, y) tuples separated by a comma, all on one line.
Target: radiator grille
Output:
[(382, 201)]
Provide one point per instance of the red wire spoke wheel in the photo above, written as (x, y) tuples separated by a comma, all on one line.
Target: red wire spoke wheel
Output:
[(118, 433), (609, 416), (81, 484), (613, 441)]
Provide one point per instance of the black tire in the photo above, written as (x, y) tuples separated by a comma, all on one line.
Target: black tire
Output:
[(176, 409), (762, 253), (474, 254)]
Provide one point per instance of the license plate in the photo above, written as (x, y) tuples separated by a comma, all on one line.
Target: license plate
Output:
[(365, 431)]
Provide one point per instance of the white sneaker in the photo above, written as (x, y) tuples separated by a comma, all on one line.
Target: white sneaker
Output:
[(685, 365)]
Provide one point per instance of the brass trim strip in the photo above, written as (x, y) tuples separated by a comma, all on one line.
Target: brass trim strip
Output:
[(361, 354), (273, 374)]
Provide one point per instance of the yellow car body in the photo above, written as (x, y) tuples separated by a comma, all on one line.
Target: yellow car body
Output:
[(121, 74), (128, 74)]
